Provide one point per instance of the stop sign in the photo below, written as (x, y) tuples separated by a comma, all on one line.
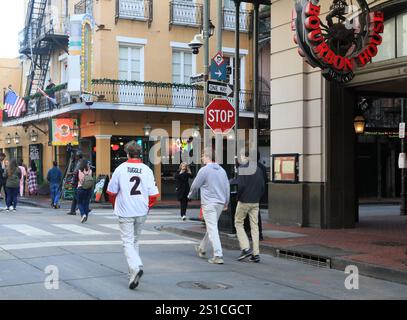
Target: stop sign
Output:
[(220, 116)]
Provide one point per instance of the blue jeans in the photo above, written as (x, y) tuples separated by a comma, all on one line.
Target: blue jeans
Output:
[(84, 196), (54, 193), (11, 196)]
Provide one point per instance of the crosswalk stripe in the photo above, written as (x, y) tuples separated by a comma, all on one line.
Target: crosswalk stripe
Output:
[(78, 229), (28, 230), (21, 246), (115, 226)]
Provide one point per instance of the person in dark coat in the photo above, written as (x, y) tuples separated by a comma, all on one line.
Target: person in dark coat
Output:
[(182, 187)]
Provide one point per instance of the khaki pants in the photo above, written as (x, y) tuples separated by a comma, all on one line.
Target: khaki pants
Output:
[(242, 210)]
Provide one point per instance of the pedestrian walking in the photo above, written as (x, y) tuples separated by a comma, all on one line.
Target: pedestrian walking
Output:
[(85, 187), (250, 190), (13, 176), (2, 174), (23, 177), (182, 177), (54, 178), (133, 192), (215, 195), (32, 179), (262, 200), (74, 204)]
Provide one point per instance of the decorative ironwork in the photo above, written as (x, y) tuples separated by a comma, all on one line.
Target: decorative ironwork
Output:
[(349, 38), (229, 20), (186, 14), (165, 95), (135, 10)]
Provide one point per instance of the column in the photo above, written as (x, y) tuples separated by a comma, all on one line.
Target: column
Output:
[(103, 154)]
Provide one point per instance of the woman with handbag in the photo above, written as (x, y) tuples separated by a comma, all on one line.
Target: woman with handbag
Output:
[(85, 187), (182, 187)]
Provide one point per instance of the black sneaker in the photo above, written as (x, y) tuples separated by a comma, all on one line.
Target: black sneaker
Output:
[(71, 213), (245, 253), (135, 279), (255, 258)]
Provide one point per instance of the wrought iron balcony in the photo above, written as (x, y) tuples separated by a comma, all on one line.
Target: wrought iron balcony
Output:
[(135, 10), (84, 7), (141, 94), (186, 14), (229, 20)]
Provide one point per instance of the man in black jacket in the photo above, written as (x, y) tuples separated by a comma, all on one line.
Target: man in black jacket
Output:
[(250, 190)]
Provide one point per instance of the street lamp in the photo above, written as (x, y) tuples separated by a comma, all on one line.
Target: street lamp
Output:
[(75, 131), (359, 124), (147, 129), (8, 139), (17, 138), (34, 136)]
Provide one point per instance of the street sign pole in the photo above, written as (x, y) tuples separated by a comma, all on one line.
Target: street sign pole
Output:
[(206, 61), (237, 75)]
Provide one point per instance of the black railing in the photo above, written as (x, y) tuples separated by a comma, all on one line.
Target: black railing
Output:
[(145, 94), (229, 20), (185, 14), (84, 7), (134, 10)]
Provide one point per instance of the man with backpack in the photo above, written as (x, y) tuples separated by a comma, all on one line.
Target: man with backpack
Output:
[(54, 178)]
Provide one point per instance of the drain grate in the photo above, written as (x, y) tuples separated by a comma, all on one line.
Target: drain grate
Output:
[(203, 285), (310, 259)]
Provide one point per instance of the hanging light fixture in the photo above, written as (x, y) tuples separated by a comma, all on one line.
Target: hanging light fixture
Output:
[(34, 136), (211, 29), (359, 124), (75, 131), (8, 138), (147, 129), (17, 138)]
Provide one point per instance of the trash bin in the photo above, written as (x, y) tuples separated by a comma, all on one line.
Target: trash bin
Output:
[(226, 221)]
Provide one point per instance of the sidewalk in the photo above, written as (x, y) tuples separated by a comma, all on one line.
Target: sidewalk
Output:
[(377, 246)]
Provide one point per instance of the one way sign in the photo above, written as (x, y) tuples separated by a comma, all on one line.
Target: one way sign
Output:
[(220, 89)]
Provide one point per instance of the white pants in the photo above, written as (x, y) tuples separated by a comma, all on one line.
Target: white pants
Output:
[(211, 213), (130, 229)]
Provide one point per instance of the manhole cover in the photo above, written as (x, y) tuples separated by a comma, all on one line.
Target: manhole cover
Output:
[(203, 285), (388, 244)]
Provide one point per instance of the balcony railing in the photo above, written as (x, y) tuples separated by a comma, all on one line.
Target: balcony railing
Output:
[(134, 10), (185, 14), (84, 7), (144, 94), (229, 20)]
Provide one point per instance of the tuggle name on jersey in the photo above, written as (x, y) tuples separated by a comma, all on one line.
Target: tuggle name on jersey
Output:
[(134, 170)]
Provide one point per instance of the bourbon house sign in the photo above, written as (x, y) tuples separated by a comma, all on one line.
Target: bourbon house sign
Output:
[(348, 38)]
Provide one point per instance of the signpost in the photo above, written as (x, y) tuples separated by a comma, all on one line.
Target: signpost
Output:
[(198, 78), (218, 68), (220, 116), (220, 89)]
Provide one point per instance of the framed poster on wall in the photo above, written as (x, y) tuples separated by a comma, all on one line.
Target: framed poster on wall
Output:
[(35, 154), (285, 168)]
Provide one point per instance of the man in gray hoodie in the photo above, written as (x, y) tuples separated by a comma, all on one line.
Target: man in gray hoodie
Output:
[(215, 194)]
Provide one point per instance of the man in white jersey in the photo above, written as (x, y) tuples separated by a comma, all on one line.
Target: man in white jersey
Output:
[(132, 191)]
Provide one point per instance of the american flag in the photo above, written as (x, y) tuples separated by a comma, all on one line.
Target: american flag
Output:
[(14, 105)]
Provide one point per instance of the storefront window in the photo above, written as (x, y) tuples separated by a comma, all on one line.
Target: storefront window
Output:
[(118, 155), (402, 35), (387, 49)]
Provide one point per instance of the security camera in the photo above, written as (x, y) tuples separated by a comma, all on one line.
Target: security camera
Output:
[(196, 43)]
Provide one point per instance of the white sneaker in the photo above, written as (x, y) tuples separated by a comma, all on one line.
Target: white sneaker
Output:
[(135, 279), (184, 218), (14, 209), (7, 209), (199, 251)]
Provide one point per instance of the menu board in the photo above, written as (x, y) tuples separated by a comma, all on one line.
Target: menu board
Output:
[(285, 168)]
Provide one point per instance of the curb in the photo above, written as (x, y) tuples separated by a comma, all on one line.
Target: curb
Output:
[(337, 263)]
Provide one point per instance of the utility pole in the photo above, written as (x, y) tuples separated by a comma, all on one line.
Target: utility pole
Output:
[(219, 26), (403, 195), (206, 15), (237, 74), (256, 68)]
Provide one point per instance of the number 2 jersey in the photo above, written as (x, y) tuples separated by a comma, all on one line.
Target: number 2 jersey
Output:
[(133, 185)]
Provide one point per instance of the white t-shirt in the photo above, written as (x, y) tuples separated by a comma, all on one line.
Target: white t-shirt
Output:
[(134, 183)]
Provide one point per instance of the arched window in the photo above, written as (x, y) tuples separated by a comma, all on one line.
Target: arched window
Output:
[(394, 39)]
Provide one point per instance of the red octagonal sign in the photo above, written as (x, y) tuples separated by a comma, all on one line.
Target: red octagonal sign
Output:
[(220, 116)]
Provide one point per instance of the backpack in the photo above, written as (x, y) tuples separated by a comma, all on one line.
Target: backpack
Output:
[(88, 182)]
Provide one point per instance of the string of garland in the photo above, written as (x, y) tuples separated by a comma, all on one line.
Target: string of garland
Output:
[(48, 92), (147, 84)]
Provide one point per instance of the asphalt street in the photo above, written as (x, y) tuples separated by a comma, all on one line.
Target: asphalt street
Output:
[(46, 254)]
